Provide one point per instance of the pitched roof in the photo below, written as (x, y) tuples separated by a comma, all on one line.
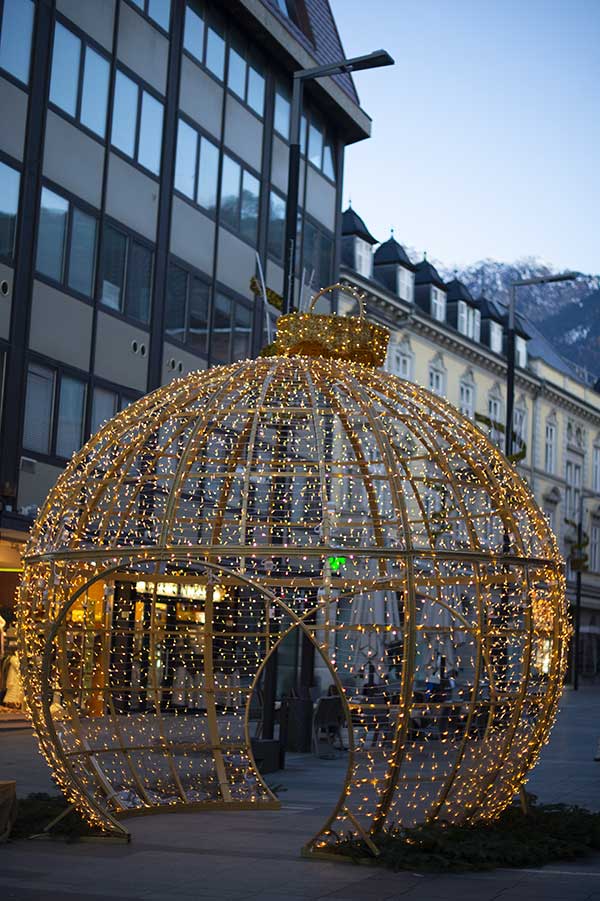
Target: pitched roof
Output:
[(392, 252), (352, 224), (321, 38), (457, 290), (426, 274)]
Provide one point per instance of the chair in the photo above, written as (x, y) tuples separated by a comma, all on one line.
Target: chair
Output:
[(328, 718)]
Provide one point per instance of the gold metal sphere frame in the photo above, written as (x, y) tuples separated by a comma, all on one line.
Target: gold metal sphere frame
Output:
[(290, 499)]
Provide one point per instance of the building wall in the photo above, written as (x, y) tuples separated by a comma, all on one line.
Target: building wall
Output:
[(107, 225)]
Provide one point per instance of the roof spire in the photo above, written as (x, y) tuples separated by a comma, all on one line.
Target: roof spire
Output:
[(425, 255), (350, 202), (391, 231)]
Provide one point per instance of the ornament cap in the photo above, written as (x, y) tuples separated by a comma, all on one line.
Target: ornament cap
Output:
[(350, 338)]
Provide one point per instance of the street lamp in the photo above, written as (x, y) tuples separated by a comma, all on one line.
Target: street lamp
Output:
[(370, 61), (510, 346), (577, 629)]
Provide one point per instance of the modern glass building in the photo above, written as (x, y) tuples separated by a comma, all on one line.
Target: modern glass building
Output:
[(143, 166)]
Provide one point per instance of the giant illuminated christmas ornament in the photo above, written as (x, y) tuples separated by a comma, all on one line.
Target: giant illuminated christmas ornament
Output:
[(304, 493)]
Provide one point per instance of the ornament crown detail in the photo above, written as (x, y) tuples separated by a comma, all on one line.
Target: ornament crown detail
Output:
[(350, 338)]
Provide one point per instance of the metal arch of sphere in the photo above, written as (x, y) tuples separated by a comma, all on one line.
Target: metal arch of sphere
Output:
[(445, 630)]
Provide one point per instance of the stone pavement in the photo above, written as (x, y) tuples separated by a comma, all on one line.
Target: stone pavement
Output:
[(255, 855)]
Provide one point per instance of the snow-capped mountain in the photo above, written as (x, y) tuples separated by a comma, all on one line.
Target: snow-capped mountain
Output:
[(567, 313)]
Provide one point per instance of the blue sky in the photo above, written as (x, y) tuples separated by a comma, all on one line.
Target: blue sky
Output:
[(486, 133)]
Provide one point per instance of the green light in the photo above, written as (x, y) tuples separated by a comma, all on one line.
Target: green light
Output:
[(335, 563)]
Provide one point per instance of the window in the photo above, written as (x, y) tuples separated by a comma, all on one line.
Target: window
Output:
[(495, 412), (438, 304), (402, 364), (281, 122), (550, 513), (141, 141), (196, 167), (594, 554), (276, 234), (520, 351), (316, 254), (596, 468), (66, 247), (79, 90), (239, 199), (125, 274), (315, 144), (9, 205), (245, 80), (38, 409), (573, 488), (519, 427), (105, 404), (71, 413), (364, 257), (469, 321), (158, 10), (187, 309), (231, 331), (462, 317), (467, 399), (15, 38), (406, 284), (204, 41), (550, 448), (53, 397), (436, 381), (496, 334)]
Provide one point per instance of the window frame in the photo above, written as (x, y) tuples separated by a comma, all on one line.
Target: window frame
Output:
[(496, 331), (244, 168), (9, 259), (209, 20), (83, 207), (438, 300), (550, 447), (280, 196), (236, 300), (122, 392), (466, 405), (146, 15), (143, 87), (242, 47), (596, 467), (85, 40), (130, 235), (59, 371), (191, 272), (6, 73), (201, 135), (435, 373)]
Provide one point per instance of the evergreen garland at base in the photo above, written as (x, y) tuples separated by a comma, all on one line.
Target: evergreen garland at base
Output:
[(546, 834)]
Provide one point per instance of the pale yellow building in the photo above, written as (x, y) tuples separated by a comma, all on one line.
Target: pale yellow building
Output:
[(452, 343)]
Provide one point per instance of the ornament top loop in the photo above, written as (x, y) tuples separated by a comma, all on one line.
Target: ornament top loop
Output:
[(339, 286)]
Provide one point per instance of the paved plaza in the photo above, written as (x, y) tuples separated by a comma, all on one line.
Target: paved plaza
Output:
[(255, 855)]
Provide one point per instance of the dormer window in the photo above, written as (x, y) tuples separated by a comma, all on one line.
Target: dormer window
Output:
[(521, 351), (469, 321), (406, 284), (496, 337), (438, 304), (363, 257)]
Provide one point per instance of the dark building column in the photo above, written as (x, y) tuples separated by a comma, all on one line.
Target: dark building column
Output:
[(16, 370), (167, 169)]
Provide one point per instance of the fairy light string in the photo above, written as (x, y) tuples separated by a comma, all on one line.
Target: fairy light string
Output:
[(304, 492)]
